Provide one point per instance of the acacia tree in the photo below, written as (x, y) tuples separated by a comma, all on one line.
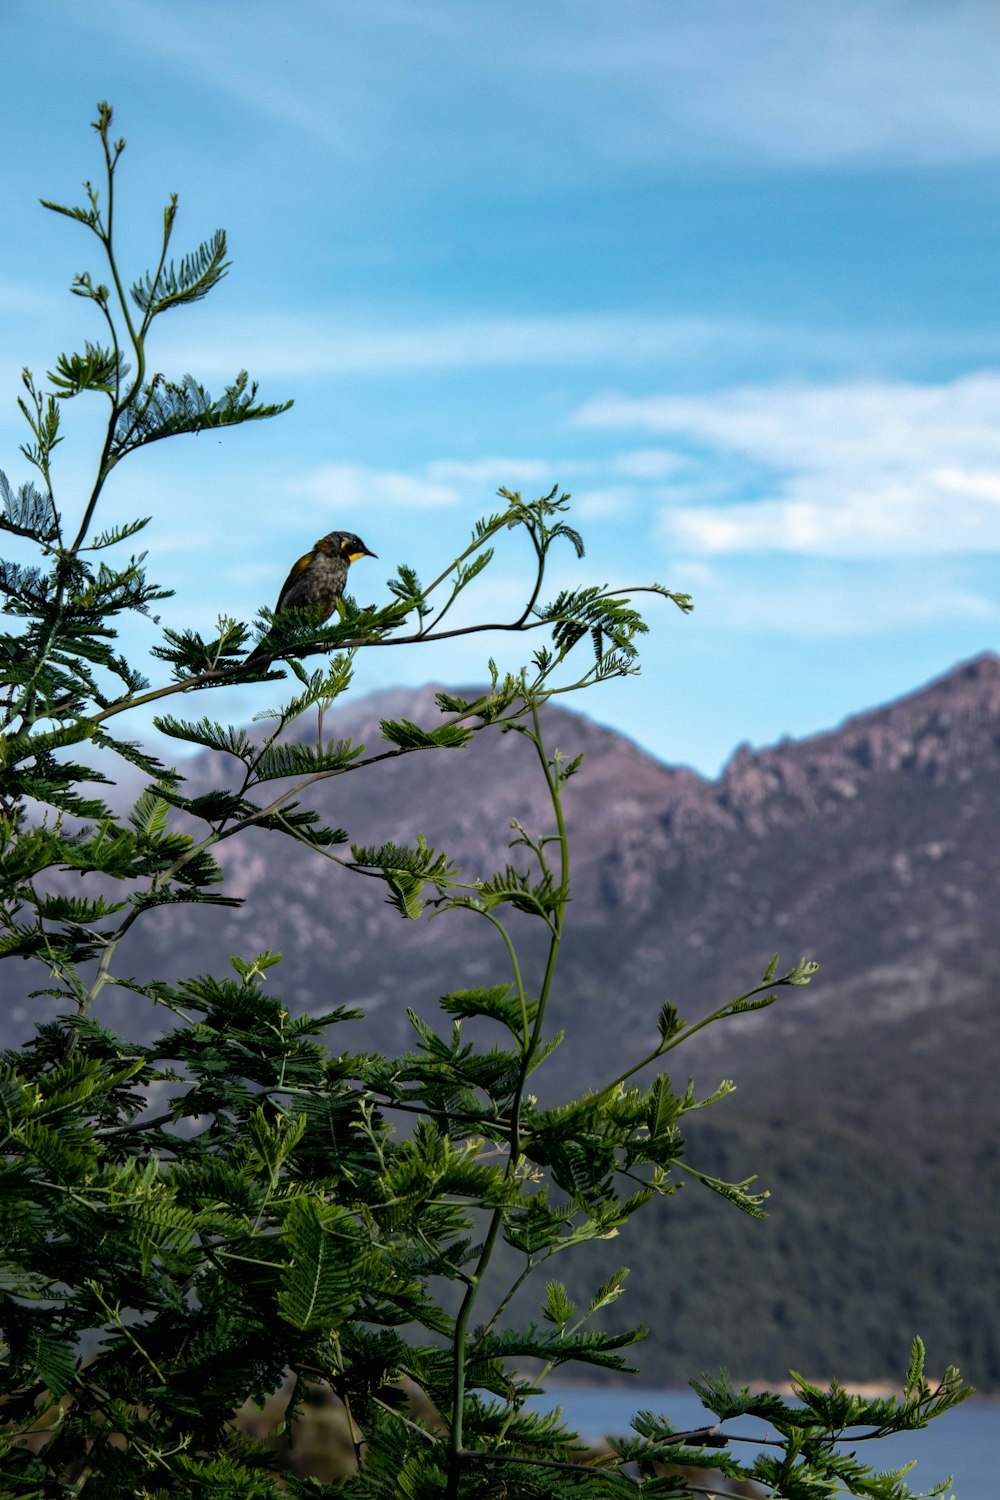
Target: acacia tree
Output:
[(264, 1226)]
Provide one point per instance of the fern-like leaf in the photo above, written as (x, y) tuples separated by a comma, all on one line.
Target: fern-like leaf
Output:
[(27, 511), (191, 280), (167, 408)]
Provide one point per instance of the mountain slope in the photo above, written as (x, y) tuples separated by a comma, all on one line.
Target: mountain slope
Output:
[(868, 1101)]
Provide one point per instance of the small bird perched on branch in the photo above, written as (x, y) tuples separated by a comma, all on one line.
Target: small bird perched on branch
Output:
[(316, 581)]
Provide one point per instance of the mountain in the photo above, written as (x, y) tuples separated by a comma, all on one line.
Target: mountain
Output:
[(867, 1101), (873, 848)]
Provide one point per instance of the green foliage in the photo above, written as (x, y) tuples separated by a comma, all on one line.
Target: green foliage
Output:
[(167, 408), (186, 1224)]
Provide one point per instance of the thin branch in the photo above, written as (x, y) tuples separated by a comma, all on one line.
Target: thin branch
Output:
[(216, 676), (135, 1125), (601, 1463)]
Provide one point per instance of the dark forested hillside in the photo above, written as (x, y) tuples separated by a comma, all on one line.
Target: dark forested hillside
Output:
[(868, 1102)]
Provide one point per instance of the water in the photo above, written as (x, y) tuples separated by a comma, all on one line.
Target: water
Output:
[(965, 1442)]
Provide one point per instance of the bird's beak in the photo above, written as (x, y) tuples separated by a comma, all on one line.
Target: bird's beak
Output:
[(355, 556)]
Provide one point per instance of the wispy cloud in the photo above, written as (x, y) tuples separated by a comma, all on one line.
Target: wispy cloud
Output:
[(835, 606), (854, 470), (604, 502), (778, 82), (334, 341), (442, 482), (231, 52), (357, 489), (648, 463), (598, 491), (493, 471), (806, 86), (915, 516), (322, 344)]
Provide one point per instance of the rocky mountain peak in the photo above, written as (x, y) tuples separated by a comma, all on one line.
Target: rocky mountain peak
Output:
[(942, 732)]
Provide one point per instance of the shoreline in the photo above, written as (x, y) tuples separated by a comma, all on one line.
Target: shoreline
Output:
[(872, 1389)]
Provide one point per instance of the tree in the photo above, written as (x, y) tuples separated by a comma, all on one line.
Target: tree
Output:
[(165, 1262)]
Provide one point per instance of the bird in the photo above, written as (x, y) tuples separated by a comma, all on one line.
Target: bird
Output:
[(316, 582)]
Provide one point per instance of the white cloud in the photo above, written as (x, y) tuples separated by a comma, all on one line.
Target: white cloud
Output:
[(648, 463), (702, 80), (814, 600), (879, 520), (232, 53), (352, 487), (446, 481), (338, 341), (601, 504), (807, 85), (835, 608), (865, 469), (969, 482), (493, 471), (859, 423), (327, 343)]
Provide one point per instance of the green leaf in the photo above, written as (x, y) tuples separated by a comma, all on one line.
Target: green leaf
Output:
[(449, 703), (86, 216), (323, 1273), (558, 1309), (97, 369), (167, 408), (609, 619), (406, 587), (205, 732), (28, 512), (149, 816), (759, 1002), (664, 1108), (668, 1022), (597, 1349), (410, 736), (191, 280), (265, 960), (736, 1192), (115, 534), (304, 759), (497, 1001), (914, 1378), (77, 910), (54, 1361), (406, 871), (536, 1226)]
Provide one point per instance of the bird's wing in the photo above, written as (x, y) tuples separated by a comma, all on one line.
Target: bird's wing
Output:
[(297, 571)]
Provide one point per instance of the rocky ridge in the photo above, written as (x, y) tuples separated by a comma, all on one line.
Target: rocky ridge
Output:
[(874, 847)]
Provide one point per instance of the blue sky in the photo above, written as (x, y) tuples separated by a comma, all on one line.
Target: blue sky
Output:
[(725, 270)]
